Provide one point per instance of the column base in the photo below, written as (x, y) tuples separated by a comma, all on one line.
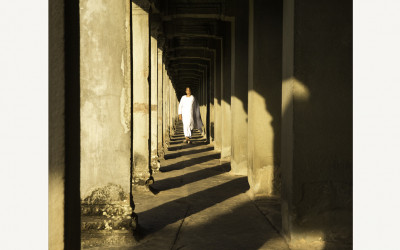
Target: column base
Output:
[(155, 164), (239, 168), (107, 219)]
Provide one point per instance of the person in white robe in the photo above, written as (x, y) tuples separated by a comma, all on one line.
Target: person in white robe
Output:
[(189, 114)]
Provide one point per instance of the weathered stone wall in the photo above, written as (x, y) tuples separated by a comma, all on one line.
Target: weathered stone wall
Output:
[(105, 95)]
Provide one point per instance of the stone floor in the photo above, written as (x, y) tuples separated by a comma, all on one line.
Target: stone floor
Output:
[(195, 203)]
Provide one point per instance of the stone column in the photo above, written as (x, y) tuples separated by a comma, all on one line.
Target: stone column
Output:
[(155, 165), (165, 84), (171, 108), (204, 117), (208, 103), (211, 91), (168, 109), (226, 94), (200, 99), (239, 89), (105, 111), (140, 67), (159, 104), (57, 209), (217, 97), (264, 96), (317, 122)]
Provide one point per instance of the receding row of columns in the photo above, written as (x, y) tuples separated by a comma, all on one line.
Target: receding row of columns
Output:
[(154, 98), (260, 98)]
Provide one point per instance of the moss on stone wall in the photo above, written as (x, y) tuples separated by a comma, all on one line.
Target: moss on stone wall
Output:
[(106, 195)]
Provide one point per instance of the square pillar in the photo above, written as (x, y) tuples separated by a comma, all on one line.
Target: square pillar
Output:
[(209, 99), (155, 166), (140, 98), (239, 88), (226, 93), (105, 113), (264, 96), (217, 97), (160, 151), (169, 109), (212, 98), (164, 106), (317, 123)]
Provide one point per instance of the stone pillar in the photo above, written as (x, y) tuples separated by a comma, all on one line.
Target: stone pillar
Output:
[(226, 94), (155, 165), (168, 109), (105, 112), (165, 87), (171, 108), (200, 99), (264, 96), (140, 67), (160, 104), (317, 122), (105, 98), (239, 89), (57, 125), (204, 117), (212, 98), (208, 103), (217, 97)]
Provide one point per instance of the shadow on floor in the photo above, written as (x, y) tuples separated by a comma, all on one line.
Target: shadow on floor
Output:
[(178, 154), (233, 225), (190, 162), (182, 180), (170, 212), (194, 141), (184, 146)]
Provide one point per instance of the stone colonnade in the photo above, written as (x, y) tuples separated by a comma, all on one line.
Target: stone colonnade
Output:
[(274, 86)]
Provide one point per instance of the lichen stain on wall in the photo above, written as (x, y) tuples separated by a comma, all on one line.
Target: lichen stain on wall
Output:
[(125, 110), (125, 107)]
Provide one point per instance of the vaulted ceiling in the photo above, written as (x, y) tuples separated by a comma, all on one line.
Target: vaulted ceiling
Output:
[(188, 32)]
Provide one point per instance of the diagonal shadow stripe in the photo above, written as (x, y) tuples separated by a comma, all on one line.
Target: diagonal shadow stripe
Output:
[(194, 141), (185, 179), (183, 146), (181, 138), (157, 218), (190, 162), (189, 152)]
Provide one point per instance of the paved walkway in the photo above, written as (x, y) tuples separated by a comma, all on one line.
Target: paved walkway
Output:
[(196, 204)]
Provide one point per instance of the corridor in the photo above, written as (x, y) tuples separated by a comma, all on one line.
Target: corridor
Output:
[(272, 166), (197, 204)]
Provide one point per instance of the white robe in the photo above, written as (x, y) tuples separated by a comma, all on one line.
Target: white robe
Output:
[(190, 111)]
